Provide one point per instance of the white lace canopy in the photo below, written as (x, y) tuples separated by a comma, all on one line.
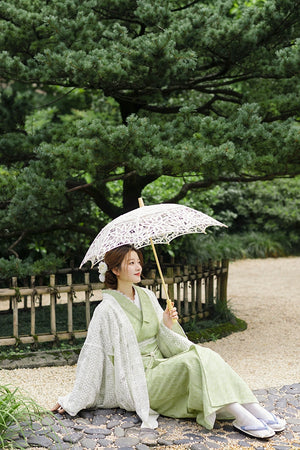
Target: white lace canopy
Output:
[(162, 223)]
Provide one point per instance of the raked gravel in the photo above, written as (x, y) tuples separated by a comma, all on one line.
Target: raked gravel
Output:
[(263, 292)]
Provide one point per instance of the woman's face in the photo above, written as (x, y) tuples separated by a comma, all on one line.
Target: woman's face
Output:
[(131, 268)]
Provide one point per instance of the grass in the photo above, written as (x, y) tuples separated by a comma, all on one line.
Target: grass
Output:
[(17, 414), (221, 323), (201, 333)]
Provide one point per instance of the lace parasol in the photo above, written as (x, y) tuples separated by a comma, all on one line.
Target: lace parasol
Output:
[(160, 223)]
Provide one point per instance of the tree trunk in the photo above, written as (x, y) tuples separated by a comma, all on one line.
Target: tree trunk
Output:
[(132, 190)]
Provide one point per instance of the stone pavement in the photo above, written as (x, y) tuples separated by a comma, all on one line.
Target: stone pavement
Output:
[(116, 428)]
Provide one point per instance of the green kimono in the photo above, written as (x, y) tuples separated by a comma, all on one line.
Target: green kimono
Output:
[(192, 384)]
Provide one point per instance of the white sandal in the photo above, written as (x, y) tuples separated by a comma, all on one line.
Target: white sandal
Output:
[(276, 424), (256, 432)]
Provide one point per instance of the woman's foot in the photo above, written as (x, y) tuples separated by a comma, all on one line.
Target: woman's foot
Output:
[(247, 422), (270, 419), (275, 423), (260, 430)]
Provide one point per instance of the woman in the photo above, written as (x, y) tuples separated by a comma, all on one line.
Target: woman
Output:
[(137, 358)]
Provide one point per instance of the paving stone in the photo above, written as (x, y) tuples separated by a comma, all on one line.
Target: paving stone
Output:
[(104, 442), (12, 433), (235, 435), (63, 446), (218, 439), (141, 447), (150, 440), (148, 430), (198, 447), (105, 431), (212, 444), (282, 447), (36, 426), (39, 441), (57, 439), (182, 441), (88, 443), (126, 441), (66, 423), (21, 443), (42, 431), (82, 421), (119, 432), (293, 420), (73, 438), (79, 427), (104, 412), (92, 430), (99, 420), (112, 424), (127, 425), (244, 444), (26, 433), (281, 403), (166, 442), (194, 436), (125, 448), (116, 417), (56, 428), (86, 414)]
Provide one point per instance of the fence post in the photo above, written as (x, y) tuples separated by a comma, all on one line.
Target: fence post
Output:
[(224, 279), (185, 291), (32, 307), (210, 292), (193, 293), (70, 304), (199, 288), (178, 292), (15, 308), (170, 274), (52, 305), (87, 299)]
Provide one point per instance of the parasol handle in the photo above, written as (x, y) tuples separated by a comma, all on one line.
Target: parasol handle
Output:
[(169, 301)]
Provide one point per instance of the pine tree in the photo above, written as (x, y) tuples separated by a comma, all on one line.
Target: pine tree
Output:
[(102, 98)]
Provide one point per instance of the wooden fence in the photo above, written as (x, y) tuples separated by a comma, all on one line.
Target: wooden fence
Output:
[(194, 289)]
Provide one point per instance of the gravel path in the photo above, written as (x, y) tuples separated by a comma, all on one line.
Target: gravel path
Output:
[(265, 293)]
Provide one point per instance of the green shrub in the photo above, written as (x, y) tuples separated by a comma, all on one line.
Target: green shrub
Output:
[(221, 323)]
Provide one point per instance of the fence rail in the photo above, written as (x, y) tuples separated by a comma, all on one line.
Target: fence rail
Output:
[(194, 289)]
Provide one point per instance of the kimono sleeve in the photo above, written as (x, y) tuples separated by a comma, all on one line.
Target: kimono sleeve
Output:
[(170, 342), (89, 372)]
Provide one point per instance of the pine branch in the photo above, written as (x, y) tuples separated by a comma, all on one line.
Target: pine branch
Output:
[(205, 184)]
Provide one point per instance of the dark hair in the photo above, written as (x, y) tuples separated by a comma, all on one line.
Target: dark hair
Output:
[(113, 259)]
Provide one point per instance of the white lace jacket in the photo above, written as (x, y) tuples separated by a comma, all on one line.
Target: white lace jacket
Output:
[(110, 370)]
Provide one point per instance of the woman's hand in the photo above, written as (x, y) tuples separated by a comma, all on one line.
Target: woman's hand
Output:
[(57, 408), (170, 315)]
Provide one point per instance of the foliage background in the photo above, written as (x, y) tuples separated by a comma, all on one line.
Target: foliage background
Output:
[(178, 101)]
